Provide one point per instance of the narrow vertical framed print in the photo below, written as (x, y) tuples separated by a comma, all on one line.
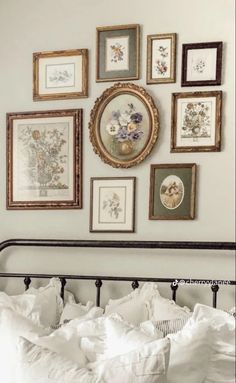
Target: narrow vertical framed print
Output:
[(172, 191), (196, 121), (60, 75), (161, 58), (112, 204), (118, 53), (44, 161)]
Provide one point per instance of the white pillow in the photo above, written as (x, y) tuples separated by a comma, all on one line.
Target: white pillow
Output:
[(13, 325), (161, 308), (40, 365), (73, 310), (122, 337), (189, 353), (221, 364), (133, 307), (43, 306), (147, 364)]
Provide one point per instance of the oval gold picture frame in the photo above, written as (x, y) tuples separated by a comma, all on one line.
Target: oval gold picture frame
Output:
[(124, 125)]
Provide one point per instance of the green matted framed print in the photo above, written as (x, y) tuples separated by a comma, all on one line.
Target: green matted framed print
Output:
[(118, 50), (172, 191)]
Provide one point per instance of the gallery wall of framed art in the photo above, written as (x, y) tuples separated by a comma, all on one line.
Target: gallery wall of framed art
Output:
[(150, 94)]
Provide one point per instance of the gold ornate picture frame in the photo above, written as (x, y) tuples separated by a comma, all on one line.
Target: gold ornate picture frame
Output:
[(161, 58), (60, 75), (44, 161), (124, 125)]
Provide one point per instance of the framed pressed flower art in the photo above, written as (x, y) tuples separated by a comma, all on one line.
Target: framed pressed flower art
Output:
[(60, 75), (124, 125), (172, 191), (112, 204), (161, 58), (118, 53), (196, 122), (202, 64), (44, 160)]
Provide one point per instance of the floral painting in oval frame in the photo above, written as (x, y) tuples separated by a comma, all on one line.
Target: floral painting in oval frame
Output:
[(124, 125)]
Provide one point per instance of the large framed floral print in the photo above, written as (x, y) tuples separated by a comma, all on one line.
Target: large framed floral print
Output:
[(60, 75), (124, 125), (202, 64), (172, 191), (118, 53), (44, 160), (196, 121), (112, 204), (161, 58)]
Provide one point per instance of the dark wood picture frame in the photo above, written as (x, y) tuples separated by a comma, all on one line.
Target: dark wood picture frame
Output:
[(202, 65), (44, 159)]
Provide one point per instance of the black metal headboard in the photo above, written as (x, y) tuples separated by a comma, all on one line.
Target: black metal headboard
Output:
[(174, 282)]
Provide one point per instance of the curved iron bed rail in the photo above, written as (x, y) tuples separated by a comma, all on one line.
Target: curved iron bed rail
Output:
[(174, 282)]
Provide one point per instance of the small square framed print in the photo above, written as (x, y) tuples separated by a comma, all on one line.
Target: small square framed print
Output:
[(161, 58), (172, 191), (44, 160), (118, 53), (196, 121), (112, 204), (60, 74), (202, 64)]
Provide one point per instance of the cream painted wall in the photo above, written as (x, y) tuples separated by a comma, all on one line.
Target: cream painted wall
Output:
[(27, 26)]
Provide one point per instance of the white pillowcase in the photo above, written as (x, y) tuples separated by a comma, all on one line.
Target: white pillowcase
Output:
[(73, 311), (203, 351), (147, 364), (161, 308), (133, 307), (43, 306), (121, 337), (39, 365), (13, 325)]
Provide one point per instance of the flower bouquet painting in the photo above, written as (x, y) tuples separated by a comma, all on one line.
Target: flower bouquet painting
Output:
[(125, 130)]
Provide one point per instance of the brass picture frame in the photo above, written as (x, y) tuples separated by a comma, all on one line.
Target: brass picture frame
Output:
[(196, 121), (112, 204), (60, 75), (44, 159), (161, 58), (118, 53), (172, 191), (124, 125)]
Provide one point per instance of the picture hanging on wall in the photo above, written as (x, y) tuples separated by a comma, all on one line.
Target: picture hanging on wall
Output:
[(124, 125), (196, 122), (202, 64), (118, 53), (161, 58), (172, 191), (112, 204), (44, 160), (60, 74)]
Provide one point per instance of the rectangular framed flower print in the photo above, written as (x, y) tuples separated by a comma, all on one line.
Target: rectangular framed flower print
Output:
[(60, 74), (44, 160), (172, 191), (161, 58), (196, 122), (112, 204), (118, 53)]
